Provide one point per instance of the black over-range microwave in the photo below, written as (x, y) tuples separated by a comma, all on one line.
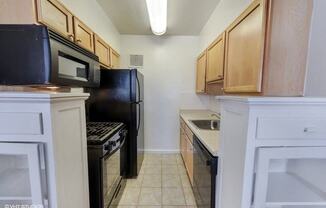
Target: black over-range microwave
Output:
[(35, 55)]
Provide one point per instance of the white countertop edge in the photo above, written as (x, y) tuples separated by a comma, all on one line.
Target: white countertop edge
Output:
[(196, 131), (42, 95), (269, 100)]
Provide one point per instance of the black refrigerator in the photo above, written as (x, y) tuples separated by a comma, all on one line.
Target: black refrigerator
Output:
[(120, 98)]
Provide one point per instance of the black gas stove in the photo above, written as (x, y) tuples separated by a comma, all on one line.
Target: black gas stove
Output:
[(99, 132), (106, 162)]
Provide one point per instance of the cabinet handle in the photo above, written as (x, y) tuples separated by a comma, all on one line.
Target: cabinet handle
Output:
[(78, 40)]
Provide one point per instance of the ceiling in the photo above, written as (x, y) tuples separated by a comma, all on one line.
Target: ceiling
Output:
[(185, 17)]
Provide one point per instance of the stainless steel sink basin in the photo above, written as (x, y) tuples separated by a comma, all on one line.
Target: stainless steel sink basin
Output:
[(213, 125)]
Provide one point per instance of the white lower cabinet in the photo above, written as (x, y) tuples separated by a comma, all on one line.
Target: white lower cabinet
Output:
[(22, 174), (272, 152), (43, 150), (290, 177)]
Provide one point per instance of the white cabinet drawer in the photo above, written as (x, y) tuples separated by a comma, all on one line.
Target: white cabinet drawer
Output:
[(13, 123), (291, 128)]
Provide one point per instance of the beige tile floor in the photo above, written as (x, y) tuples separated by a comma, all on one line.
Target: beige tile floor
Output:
[(162, 182)]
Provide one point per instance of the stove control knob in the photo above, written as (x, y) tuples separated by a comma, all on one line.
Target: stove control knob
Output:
[(108, 147)]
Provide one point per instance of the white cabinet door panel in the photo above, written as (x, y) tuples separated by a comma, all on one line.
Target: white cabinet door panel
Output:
[(290, 176), (21, 174)]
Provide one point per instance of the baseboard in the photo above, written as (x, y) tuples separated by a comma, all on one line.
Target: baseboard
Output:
[(159, 151)]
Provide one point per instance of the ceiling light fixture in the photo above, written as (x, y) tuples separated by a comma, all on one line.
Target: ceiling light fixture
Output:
[(157, 11)]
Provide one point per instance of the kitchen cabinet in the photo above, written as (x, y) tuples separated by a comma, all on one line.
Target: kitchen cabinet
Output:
[(244, 51), (186, 148), (201, 73), (183, 144), (266, 48), (35, 175), (84, 36), (54, 15), (215, 60), (115, 59), (102, 50), (22, 174), (48, 12), (277, 155), (189, 160)]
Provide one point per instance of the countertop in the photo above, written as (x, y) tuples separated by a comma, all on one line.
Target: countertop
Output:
[(210, 139), (41, 95)]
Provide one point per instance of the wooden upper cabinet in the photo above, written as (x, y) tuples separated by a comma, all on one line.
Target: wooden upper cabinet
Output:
[(17, 12), (267, 47), (115, 59), (201, 73), (84, 36), (102, 50), (55, 16), (215, 59), (245, 49), (48, 12)]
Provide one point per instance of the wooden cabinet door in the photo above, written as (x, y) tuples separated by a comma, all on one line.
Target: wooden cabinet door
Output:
[(201, 73), (55, 16), (84, 36), (245, 50), (115, 59), (182, 144), (190, 162), (102, 50), (215, 59)]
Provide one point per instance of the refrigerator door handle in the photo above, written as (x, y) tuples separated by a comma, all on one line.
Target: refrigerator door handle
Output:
[(138, 88), (138, 106)]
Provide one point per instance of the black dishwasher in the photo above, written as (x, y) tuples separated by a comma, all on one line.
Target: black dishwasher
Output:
[(205, 171)]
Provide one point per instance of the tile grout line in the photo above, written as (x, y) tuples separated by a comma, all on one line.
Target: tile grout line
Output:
[(184, 195)]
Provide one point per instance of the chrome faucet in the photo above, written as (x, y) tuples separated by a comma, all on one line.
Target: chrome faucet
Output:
[(216, 115), (213, 121)]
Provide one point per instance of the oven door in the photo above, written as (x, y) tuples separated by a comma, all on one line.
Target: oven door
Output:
[(113, 173), (111, 176)]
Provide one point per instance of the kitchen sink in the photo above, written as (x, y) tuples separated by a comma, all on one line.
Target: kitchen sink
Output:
[(213, 125)]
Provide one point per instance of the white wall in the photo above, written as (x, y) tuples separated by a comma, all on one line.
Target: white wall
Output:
[(169, 72), (92, 14), (316, 77)]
